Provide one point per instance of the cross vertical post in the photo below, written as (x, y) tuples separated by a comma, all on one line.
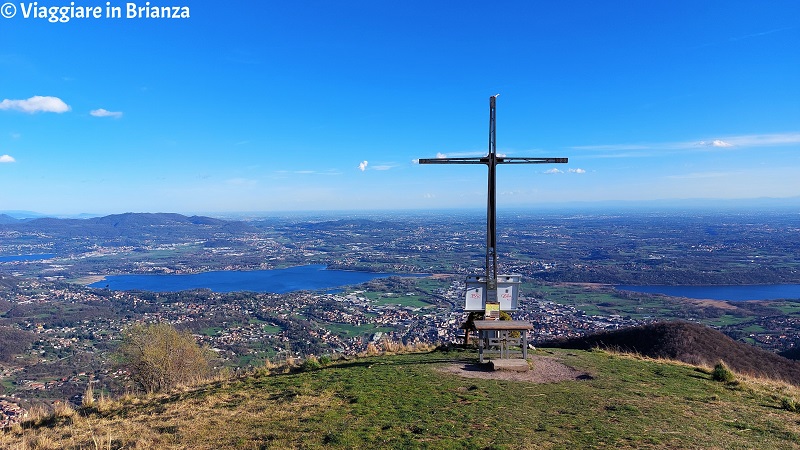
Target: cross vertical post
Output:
[(491, 202), (491, 160)]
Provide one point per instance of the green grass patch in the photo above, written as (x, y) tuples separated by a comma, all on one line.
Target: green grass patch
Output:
[(728, 319), (271, 329), (753, 329), (406, 402), (210, 331), (786, 307), (413, 301)]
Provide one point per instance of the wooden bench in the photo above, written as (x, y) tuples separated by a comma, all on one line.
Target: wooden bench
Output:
[(497, 333)]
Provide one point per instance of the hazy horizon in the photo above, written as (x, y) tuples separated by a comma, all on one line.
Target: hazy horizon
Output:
[(749, 204)]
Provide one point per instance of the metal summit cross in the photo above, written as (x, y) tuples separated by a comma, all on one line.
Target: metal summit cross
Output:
[(483, 291)]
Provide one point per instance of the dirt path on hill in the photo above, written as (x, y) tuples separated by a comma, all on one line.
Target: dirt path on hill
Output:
[(545, 370)]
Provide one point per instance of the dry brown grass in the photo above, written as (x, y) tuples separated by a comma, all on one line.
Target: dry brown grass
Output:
[(88, 396), (104, 403), (180, 421), (372, 350), (197, 417), (389, 347)]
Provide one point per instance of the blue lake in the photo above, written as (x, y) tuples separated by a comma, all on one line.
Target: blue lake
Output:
[(26, 257), (731, 293), (312, 278)]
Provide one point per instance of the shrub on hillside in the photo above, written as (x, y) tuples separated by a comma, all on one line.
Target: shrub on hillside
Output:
[(311, 363), (160, 358), (722, 373), (789, 404)]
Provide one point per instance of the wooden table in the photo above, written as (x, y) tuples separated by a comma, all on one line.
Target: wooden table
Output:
[(497, 333)]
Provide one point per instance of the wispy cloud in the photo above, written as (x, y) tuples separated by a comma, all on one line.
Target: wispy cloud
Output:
[(700, 175), (557, 171), (362, 166), (317, 172), (383, 167), (242, 182), (36, 104), (287, 173), (764, 140), (105, 113), (759, 34), (5, 159), (469, 154), (658, 148), (743, 37)]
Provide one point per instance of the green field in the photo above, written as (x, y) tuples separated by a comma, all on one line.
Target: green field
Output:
[(412, 301), (272, 329)]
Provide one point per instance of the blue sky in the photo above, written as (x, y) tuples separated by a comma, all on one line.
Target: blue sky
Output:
[(267, 106)]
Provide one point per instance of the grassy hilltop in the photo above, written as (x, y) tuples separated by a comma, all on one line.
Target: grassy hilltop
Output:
[(407, 401)]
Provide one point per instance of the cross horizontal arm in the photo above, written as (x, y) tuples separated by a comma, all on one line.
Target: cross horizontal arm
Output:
[(497, 160), (482, 160), (524, 160)]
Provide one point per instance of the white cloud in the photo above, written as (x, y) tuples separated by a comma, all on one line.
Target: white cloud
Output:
[(440, 155), (36, 104), (577, 171), (105, 113), (7, 159), (553, 170), (362, 166), (719, 143), (382, 167)]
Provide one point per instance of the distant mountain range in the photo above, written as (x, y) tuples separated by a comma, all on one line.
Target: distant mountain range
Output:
[(128, 224)]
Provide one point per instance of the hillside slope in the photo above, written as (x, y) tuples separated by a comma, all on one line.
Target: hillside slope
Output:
[(408, 401), (691, 343)]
